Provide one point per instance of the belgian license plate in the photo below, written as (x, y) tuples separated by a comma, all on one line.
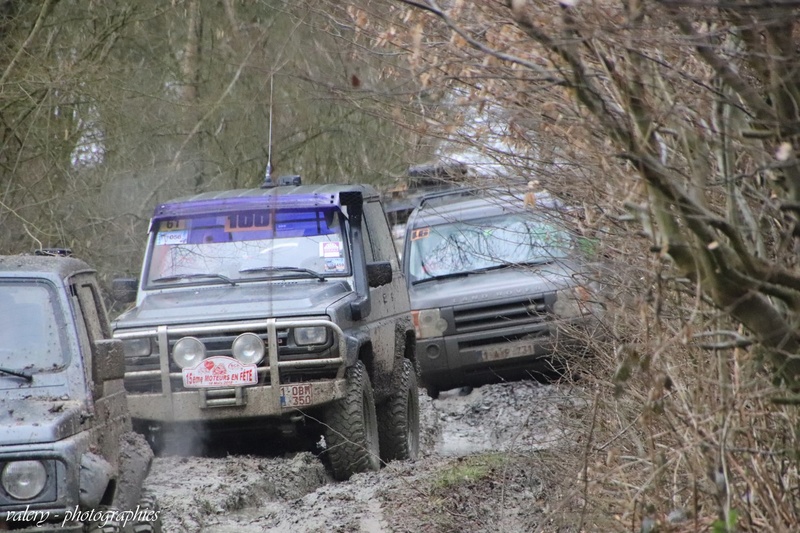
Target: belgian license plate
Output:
[(296, 395), (508, 350)]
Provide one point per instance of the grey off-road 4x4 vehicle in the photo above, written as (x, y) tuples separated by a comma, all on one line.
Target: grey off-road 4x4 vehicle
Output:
[(278, 307), (498, 287), (69, 460)]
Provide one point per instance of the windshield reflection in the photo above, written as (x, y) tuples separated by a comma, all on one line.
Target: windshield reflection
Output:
[(244, 247), (483, 244), (29, 328)]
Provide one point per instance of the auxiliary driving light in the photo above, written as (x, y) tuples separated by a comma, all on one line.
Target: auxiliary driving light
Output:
[(248, 348), (188, 351)]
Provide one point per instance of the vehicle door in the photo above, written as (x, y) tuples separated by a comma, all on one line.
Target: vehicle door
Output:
[(110, 404), (389, 302)]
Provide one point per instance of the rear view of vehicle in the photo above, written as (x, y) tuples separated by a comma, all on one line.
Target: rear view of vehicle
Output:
[(493, 282), (257, 309)]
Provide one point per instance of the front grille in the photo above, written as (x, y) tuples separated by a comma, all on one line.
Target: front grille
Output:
[(507, 314)]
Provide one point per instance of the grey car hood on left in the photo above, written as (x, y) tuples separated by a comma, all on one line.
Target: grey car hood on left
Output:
[(243, 301), (37, 421)]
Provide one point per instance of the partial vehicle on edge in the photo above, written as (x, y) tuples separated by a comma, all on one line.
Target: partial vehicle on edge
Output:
[(283, 308), (69, 460), (495, 282)]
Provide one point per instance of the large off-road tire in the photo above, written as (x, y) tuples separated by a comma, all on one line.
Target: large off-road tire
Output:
[(351, 427), (398, 417), (102, 526), (148, 504)]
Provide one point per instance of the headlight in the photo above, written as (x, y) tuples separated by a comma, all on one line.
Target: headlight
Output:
[(188, 352), (248, 348), (429, 323), (312, 335), (137, 347), (24, 480)]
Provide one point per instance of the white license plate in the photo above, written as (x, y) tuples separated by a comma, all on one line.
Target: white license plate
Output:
[(508, 350), (296, 395)]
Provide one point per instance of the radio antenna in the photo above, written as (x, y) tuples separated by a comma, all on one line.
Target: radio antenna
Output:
[(268, 174)]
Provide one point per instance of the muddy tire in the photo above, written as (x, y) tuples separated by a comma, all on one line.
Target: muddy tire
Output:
[(148, 504), (398, 417), (105, 526), (351, 427)]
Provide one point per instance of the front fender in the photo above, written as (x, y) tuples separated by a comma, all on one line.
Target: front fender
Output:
[(355, 339), (135, 459), (95, 475)]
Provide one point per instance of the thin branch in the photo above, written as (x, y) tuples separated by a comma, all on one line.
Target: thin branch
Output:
[(43, 13)]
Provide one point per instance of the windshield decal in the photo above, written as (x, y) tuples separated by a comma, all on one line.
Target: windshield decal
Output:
[(248, 221), (420, 233), (172, 225), (335, 265), (330, 249), (172, 237)]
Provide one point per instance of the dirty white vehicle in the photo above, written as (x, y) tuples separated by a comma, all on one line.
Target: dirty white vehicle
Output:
[(69, 460)]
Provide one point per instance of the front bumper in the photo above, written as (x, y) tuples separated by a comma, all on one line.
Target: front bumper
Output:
[(266, 399), (247, 402), (491, 355)]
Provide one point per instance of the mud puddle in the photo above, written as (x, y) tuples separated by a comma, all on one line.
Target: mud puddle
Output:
[(294, 492)]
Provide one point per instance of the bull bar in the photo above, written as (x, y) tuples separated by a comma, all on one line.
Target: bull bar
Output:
[(257, 400)]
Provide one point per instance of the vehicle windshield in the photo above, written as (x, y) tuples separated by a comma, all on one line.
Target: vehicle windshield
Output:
[(248, 246), (30, 329), (461, 247)]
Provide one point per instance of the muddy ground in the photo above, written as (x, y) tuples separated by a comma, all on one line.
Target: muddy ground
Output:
[(480, 470)]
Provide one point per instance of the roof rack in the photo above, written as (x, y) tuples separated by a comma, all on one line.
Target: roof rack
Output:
[(441, 197)]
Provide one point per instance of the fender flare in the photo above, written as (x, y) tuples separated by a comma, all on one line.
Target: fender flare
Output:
[(135, 460), (95, 476)]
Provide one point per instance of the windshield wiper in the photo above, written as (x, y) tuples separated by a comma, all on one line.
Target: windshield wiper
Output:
[(283, 269), (17, 373), (446, 276), (178, 277)]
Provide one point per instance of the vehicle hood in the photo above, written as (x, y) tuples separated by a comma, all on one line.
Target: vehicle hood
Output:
[(37, 421), (502, 284), (239, 302)]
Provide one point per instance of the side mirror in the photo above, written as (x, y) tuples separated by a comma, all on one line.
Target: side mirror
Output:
[(108, 360), (124, 289), (379, 273)]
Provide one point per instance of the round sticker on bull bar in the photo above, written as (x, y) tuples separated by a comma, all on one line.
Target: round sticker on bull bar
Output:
[(220, 371)]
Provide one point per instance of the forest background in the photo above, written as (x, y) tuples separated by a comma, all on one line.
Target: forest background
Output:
[(673, 124)]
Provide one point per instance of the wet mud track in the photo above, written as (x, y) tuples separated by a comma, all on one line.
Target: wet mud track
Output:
[(293, 492)]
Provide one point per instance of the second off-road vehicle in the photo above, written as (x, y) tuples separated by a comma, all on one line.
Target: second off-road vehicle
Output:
[(282, 307), (498, 286), (69, 460)]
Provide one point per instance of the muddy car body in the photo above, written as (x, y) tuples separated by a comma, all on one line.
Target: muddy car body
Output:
[(494, 284), (298, 290), (68, 456)]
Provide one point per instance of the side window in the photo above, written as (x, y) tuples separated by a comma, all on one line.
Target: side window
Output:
[(381, 239)]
